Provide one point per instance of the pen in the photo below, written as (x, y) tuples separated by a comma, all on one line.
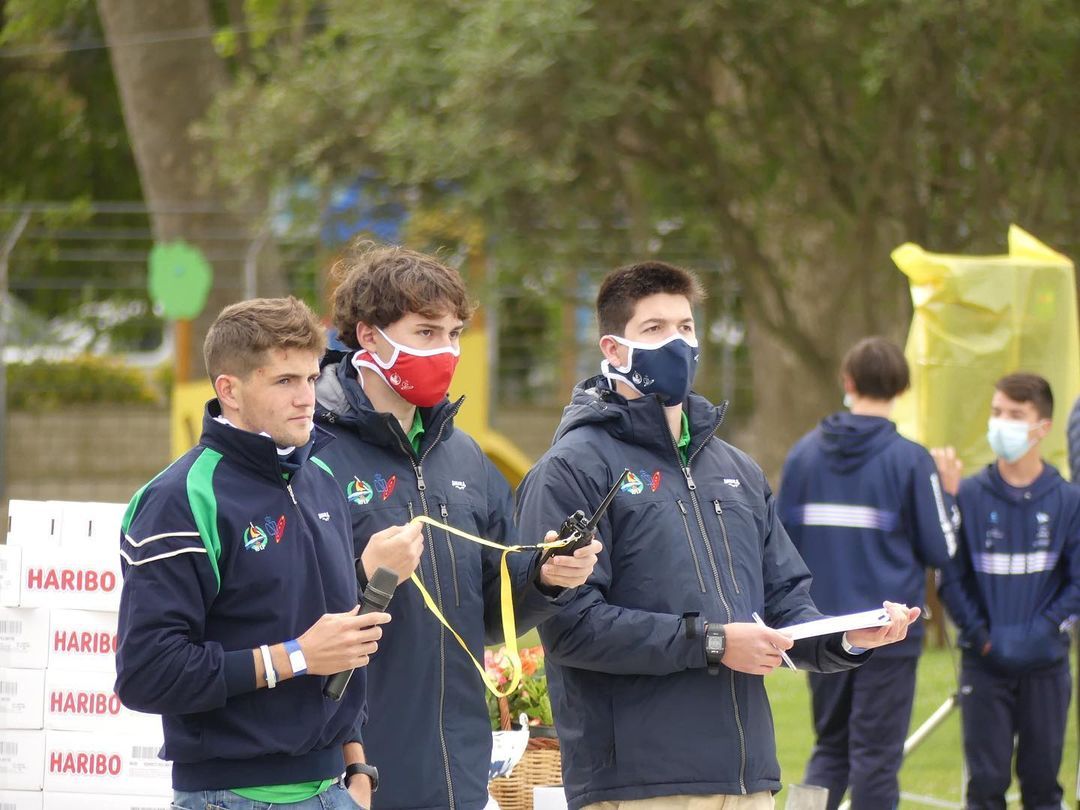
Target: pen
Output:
[(783, 654)]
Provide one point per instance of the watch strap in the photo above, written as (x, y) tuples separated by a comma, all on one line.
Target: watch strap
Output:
[(713, 658)]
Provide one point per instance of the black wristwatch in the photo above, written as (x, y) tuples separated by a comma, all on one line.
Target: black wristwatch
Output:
[(715, 642), (362, 768)]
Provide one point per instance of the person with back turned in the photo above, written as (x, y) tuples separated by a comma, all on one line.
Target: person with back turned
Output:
[(869, 511)]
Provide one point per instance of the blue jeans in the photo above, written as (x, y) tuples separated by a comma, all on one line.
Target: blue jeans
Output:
[(336, 798)]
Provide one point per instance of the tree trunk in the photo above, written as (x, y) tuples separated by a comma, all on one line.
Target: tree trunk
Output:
[(168, 74)]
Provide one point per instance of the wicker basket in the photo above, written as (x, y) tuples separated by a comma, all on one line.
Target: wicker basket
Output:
[(540, 765)]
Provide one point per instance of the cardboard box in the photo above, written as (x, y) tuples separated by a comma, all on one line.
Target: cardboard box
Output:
[(90, 524), (102, 801), (24, 637), (62, 577), (22, 698), (33, 523), (21, 799), (82, 640), (80, 762), (22, 759), (85, 701), (10, 575)]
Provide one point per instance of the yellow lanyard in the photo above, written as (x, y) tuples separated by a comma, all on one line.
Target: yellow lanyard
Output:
[(506, 598)]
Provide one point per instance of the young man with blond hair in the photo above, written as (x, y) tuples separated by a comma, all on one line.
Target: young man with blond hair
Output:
[(398, 456), (239, 594)]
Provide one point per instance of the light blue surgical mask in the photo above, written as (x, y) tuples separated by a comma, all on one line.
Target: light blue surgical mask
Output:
[(666, 368), (1009, 438)]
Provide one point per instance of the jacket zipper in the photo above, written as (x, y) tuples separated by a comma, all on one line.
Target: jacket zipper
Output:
[(418, 469), (692, 486), (727, 546), (419, 568), (690, 542), (453, 557)]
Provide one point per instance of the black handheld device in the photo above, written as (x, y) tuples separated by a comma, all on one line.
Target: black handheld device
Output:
[(579, 530), (377, 594)]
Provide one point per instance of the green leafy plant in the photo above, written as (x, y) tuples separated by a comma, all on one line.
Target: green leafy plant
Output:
[(531, 696), (50, 385)]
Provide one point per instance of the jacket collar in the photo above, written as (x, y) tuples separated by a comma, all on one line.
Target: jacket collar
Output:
[(254, 451), (640, 421), (341, 400), (991, 478)]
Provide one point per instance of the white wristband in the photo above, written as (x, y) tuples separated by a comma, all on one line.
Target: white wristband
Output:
[(268, 665)]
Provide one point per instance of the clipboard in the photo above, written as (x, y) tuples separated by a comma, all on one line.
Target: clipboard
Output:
[(878, 617)]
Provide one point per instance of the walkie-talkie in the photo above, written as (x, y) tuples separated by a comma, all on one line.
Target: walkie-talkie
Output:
[(578, 530)]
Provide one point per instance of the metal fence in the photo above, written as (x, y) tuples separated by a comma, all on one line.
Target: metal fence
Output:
[(74, 281)]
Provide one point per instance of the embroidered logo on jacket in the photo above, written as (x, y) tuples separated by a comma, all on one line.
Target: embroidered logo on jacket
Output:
[(279, 527), (458, 484), (324, 516), (635, 483), (734, 483), (255, 538), (359, 492), (385, 486), (1042, 534)]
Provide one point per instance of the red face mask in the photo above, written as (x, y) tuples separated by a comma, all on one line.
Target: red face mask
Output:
[(419, 376)]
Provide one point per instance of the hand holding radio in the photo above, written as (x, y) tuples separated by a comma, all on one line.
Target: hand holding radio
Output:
[(569, 565)]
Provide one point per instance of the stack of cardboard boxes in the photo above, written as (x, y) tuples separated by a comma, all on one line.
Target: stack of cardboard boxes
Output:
[(66, 742)]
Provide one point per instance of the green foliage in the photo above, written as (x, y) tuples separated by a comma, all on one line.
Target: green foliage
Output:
[(86, 380), (933, 769), (800, 142)]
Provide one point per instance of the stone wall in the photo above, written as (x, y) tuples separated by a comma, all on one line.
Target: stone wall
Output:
[(87, 453)]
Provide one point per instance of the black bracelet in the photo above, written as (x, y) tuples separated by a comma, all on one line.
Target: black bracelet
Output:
[(362, 768)]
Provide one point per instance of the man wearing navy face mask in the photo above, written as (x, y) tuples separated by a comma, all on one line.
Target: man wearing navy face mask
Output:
[(655, 666), (1012, 589), (399, 455)]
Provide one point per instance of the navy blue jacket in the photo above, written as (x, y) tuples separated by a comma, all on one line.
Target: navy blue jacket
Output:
[(637, 713), (220, 555), (865, 508), (1015, 580), (428, 732)]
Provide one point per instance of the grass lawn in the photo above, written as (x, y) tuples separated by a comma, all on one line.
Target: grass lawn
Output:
[(934, 768)]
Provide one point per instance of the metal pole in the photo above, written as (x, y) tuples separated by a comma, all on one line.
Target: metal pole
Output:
[(914, 741), (5, 312)]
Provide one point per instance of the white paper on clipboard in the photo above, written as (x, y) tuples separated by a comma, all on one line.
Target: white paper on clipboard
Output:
[(837, 624)]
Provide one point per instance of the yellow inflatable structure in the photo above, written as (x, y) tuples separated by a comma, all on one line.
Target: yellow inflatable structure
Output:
[(976, 319)]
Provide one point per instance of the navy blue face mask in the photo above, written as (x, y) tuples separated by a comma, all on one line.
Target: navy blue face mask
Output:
[(666, 368)]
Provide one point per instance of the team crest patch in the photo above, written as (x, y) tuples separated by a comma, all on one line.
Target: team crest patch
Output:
[(385, 486), (255, 538), (359, 492), (632, 485), (651, 481)]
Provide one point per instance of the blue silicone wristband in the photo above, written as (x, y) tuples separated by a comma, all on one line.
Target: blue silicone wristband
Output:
[(292, 646)]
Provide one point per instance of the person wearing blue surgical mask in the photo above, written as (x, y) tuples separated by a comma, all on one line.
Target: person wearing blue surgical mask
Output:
[(1013, 589)]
